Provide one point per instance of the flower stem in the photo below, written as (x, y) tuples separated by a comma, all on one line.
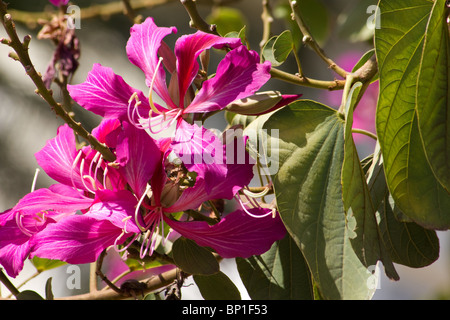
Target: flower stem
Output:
[(365, 132)]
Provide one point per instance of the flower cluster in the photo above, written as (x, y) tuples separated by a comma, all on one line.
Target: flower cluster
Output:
[(97, 204)]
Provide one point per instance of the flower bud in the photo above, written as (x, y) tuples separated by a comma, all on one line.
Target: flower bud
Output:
[(261, 102)]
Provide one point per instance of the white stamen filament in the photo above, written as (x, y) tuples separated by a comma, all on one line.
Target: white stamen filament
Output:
[(251, 214), (136, 212), (75, 162), (150, 100), (33, 185), (20, 225), (83, 177)]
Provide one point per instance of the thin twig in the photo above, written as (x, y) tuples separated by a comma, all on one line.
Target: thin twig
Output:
[(130, 12), (309, 40), (21, 52), (267, 20)]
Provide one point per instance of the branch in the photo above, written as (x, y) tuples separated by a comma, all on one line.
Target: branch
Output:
[(309, 40), (93, 11), (197, 21), (152, 284), (21, 54), (267, 20)]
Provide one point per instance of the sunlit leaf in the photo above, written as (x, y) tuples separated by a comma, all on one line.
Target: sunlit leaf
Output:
[(399, 46), (433, 94)]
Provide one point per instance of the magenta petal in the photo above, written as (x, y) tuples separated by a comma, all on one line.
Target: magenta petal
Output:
[(238, 76), (188, 48), (106, 94), (57, 199), (201, 151), (75, 239), (57, 157), (59, 2), (81, 238), (116, 207), (107, 132), (14, 248), (142, 49), (236, 235), (138, 155)]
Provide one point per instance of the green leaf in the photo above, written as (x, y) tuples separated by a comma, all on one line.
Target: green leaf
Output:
[(278, 48), (308, 189), (279, 274), (217, 287), (48, 289), (360, 214), (193, 259), (29, 295), (407, 243), (411, 182), (42, 264), (283, 46), (241, 35), (433, 94)]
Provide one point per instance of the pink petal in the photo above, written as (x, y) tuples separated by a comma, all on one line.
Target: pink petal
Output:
[(236, 235), (57, 157), (138, 155), (106, 94), (238, 76), (188, 48), (107, 132), (14, 248), (75, 239), (116, 207), (201, 151), (142, 49), (59, 2)]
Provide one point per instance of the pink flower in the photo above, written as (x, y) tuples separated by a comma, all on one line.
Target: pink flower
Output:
[(117, 215), (59, 2), (77, 174), (238, 76)]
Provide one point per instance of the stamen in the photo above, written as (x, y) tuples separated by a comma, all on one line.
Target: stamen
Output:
[(75, 163), (33, 185), (161, 119), (19, 222), (136, 212), (251, 214), (150, 100), (261, 194), (125, 247), (135, 112), (85, 177)]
